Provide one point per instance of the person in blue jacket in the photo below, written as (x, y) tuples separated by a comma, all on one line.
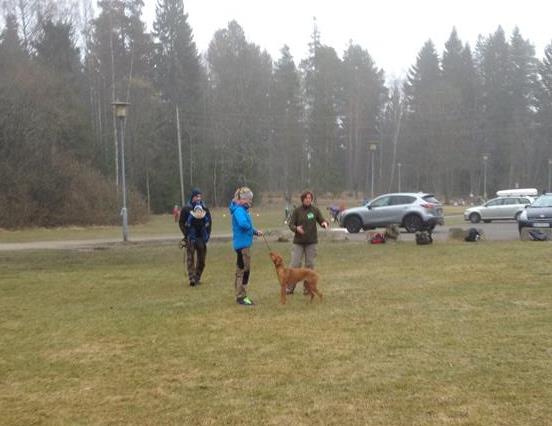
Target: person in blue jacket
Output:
[(242, 239)]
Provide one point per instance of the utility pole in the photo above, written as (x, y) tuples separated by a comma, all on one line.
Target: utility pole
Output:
[(178, 136), (373, 148), (485, 158), (399, 174), (120, 110)]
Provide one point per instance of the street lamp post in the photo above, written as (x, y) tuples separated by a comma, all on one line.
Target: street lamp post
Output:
[(373, 148), (121, 109), (485, 158), (399, 173), (550, 175)]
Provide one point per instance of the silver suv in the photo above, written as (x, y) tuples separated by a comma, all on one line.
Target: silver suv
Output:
[(413, 211)]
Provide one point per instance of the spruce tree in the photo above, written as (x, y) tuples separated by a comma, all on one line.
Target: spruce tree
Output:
[(240, 76), (323, 82), (543, 103), (424, 142), (364, 95), (286, 159)]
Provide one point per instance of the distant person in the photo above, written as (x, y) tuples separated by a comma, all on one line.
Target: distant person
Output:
[(242, 239), (303, 224), (176, 213), (196, 231)]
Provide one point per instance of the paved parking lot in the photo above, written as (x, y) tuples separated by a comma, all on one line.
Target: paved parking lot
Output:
[(494, 231)]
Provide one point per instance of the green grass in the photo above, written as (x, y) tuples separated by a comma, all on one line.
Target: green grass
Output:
[(451, 333), (264, 217)]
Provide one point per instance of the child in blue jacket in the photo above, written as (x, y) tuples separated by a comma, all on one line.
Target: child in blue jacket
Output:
[(242, 239)]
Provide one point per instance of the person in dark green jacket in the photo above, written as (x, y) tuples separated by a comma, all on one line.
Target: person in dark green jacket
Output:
[(303, 223)]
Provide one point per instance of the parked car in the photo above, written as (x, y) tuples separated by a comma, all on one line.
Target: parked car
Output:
[(500, 208), (538, 214), (413, 211)]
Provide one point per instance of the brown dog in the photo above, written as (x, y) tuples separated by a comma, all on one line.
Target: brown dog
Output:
[(289, 276)]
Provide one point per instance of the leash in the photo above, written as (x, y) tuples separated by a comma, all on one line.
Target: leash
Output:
[(266, 242)]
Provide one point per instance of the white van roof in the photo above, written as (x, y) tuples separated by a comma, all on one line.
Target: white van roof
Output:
[(520, 192)]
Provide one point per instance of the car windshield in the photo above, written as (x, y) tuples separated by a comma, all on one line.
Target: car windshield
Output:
[(543, 201)]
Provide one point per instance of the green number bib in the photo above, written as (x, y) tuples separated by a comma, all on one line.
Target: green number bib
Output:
[(310, 215)]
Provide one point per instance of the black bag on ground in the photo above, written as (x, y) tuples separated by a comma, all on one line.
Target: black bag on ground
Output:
[(423, 238), (472, 235), (537, 235)]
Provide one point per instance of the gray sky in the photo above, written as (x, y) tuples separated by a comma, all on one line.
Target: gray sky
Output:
[(393, 32)]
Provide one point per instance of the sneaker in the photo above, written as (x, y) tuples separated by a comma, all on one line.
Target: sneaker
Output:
[(192, 284), (245, 301), (289, 290)]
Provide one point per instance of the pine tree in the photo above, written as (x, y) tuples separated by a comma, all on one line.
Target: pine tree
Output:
[(56, 49), (322, 76), (286, 110), (178, 76), (363, 96), (240, 77), (458, 117), (543, 151), (494, 68), (178, 71), (424, 141), (522, 81)]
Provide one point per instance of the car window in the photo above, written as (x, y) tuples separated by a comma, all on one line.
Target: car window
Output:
[(509, 201), (431, 199), (398, 200), (543, 201), (495, 202), (380, 202), (524, 201)]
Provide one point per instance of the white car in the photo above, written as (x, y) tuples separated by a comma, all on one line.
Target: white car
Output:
[(500, 208)]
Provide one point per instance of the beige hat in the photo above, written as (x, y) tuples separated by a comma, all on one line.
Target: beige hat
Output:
[(198, 212)]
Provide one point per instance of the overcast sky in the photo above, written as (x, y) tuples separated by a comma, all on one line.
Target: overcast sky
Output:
[(393, 31)]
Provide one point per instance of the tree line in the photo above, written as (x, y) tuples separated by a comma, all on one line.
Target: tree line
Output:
[(245, 118)]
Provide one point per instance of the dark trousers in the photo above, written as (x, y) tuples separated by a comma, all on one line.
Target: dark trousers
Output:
[(195, 259), (243, 269)]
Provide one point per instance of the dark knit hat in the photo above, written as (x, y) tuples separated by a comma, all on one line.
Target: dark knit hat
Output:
[(195, 191)]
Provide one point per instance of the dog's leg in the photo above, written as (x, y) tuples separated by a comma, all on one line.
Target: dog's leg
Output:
[(308, 287), (283, 288), (315, 289), (319, 294)]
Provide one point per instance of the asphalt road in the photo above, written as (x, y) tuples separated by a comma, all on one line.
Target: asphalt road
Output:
[(494, 231)]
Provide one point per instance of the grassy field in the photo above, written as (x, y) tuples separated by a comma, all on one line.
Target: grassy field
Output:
[(265, 217), (452, 333)]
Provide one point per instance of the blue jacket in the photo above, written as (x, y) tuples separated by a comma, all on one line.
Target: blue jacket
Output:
[(242, 226)]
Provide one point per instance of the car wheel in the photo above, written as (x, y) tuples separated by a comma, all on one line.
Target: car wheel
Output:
[(353, 224), (412, 223), (475, 218), (516, 217)]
